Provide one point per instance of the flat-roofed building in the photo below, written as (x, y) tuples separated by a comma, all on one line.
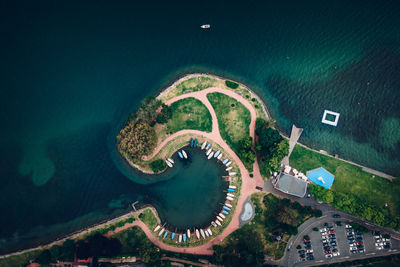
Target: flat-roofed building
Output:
[(290, 185)]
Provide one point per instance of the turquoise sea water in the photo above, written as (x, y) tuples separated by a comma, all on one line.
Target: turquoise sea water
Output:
[(71, 72)]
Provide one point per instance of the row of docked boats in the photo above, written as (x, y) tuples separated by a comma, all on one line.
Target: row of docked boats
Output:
[(183, 237)]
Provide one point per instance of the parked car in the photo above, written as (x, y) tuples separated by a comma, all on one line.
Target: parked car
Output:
[(336, 216)]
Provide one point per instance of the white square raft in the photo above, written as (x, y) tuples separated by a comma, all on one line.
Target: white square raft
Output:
[(328, 112)]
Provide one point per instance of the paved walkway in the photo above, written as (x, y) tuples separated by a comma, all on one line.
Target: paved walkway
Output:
[(248, 184)]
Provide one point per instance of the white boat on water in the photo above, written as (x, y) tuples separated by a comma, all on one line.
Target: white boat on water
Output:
[(213, 224), (217, 222), (209, 231), (188, 233), (229, 163), (206, 232), (202, 233), (230, 195), (229, 168), (184, 154), (205, 26), (203, 145), (197, 233), (171, 160), (217, 153), (232, 187), (180, 238), (208, 152), (210, 156), (220, 219), (208, 146), (157, 228), (229, 198), (225, 161), (232, 173), (161, 232), (168, 163), (221, 215), (228, 205), (219, 156)]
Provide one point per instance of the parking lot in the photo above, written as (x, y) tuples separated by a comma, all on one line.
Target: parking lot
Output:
[(336, 239)]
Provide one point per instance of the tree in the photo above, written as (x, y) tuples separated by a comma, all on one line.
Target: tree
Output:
[(260, 124), (231, 84), (44, 257), (148, 109), (157, 165), (164, 115), (246, 143), (267, 138), (98, 245), (136, 140), (67, 250)]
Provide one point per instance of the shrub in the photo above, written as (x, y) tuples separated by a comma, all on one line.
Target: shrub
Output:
[(315, 229), (231, 84), (158, 165), (339, 223), (298, 247), (317, 213)]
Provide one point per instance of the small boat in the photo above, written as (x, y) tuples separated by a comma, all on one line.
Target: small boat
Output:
[(225, 212), (210, 156), (197, 233), (231, 190), (205, 26), (217, 222), (191, 142), (202, 233), (171, 160), (228, 205), (165, 235), (209, 231), (195, 142), (232, 186), (229, 163), (225, 161), (229, 168), (207, 234), (208, 146), (220, 219), (172, 236), (219, 156), (229, 198), (184, 154), (213, 224), (217, 153), (232, 173), (230, 195), (184, 238), (168, 163), (221, 215), (161, 232), (156, 229), (180, 154), (203, 145), (180, 239), (208, 152), (225, 207), (188, 233)]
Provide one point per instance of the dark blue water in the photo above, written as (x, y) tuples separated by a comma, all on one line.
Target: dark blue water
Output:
[(71, 72)]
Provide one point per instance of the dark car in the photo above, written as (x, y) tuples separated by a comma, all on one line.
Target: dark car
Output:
[(333, 243), (307, 243), (332, 235), (336, 216), (310, 258), (302, 251), (302, 256), (334, 250), (330, 228)]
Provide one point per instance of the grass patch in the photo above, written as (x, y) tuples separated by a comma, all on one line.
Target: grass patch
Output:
[(20, 260), (350, 179), (147, 216), (233, 119), (189, 113)]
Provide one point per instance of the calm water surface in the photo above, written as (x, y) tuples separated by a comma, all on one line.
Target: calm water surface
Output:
[(71, 72)]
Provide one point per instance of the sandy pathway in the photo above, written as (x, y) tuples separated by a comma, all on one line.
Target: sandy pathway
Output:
[(248, 184)]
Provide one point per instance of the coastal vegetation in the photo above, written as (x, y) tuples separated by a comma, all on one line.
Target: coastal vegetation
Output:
[(231, 84), (354, 190), (271, 148), (274, 222), (158, 165)]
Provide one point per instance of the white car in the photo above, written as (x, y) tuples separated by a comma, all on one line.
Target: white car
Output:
[(348, 226), (328, 256), (379, 248), (310, 251)]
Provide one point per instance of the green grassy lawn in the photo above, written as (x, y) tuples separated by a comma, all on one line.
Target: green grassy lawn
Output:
[(147, 216), (189, 113), (19, 260), (350, 179), (233, 118)]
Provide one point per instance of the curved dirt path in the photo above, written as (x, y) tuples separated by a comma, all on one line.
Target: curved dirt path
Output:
[(248, 184)]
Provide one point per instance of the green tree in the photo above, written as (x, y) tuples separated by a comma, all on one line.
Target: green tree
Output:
[(164, 115), (260, 124), (44, 257), (148, 109), (158, 165), (231, 84), (267, 138)]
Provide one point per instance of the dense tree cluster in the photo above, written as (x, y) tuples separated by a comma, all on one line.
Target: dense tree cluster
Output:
[(157, 165), (136, 139), (246, 154), (353, 205), (98, 245), (63, 253), (231, 84), (164, 115), (244, 247), (271, 148)]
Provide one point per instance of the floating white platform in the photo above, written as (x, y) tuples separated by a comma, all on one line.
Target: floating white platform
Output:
[(328, 112)]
